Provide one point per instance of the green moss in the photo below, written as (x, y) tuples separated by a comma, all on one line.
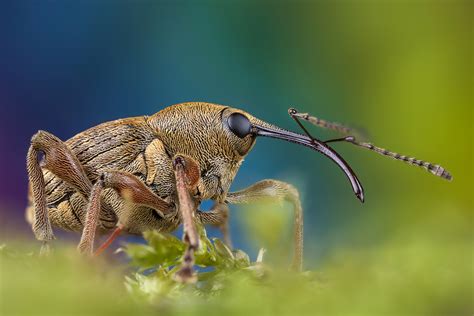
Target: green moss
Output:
[(416, 272)]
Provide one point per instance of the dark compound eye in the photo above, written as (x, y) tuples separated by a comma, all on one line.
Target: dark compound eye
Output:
[(239, 124)]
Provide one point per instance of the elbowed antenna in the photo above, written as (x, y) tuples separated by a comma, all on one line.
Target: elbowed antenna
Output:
[(437, 170), (260, 128), (338, 127)]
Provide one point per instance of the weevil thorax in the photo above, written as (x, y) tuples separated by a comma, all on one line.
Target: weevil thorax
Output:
[(200, 131)]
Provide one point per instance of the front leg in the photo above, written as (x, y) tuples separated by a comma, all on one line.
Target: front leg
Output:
[(276, 190), (187, 175)]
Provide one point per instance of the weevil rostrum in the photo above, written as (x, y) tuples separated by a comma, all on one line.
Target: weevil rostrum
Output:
[(152, 172)]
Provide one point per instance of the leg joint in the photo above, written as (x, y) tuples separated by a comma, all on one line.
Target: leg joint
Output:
[(41, 140)]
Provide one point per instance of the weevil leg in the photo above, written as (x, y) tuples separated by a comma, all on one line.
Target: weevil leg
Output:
[(187, 174), (218, 216), (64, 164), (109, 240), (131, 189), (276, 190), (92, 216)]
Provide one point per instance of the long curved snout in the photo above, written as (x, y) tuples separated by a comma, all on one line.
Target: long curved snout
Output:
[(264, 129)]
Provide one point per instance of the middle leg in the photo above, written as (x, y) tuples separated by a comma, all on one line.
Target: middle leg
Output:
[(131, 189), (218, 216)]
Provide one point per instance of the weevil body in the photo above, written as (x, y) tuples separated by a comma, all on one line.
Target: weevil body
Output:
[(144, 147), (152, 172)]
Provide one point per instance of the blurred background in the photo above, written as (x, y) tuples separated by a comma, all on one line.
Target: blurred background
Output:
[(401, 70)]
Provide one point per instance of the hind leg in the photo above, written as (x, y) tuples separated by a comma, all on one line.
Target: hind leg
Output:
[(64, 164)]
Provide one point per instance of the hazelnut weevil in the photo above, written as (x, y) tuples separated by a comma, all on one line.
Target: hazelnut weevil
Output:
[(152, 172)]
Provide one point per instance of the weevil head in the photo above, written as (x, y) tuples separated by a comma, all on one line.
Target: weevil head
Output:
[(219, 138), (202, 131), (247, 128)]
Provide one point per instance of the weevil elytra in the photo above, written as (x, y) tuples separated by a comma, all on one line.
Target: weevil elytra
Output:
[(152, 172)]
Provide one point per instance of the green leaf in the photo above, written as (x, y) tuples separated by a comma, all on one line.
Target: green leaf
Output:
[(162, 250)]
